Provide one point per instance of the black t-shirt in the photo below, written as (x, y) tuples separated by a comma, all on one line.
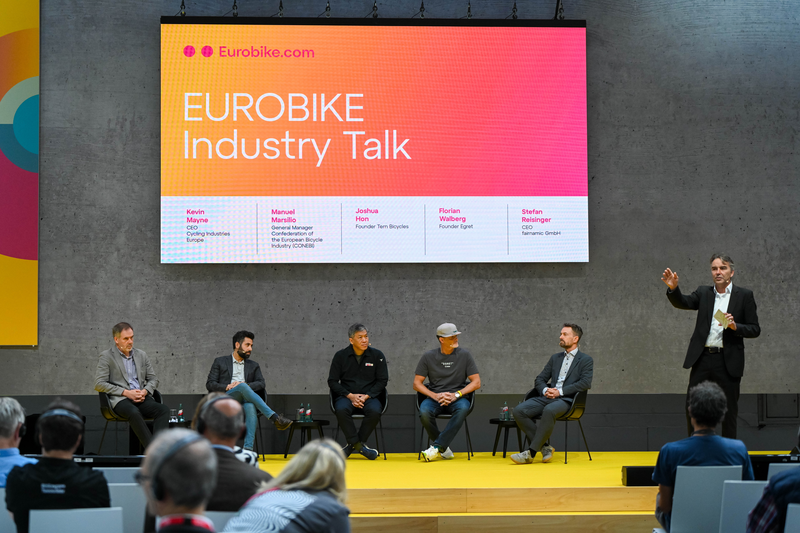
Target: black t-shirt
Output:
[(53, 484)]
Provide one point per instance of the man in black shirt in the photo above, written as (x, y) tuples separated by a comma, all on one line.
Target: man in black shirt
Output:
[(56, 481), (358, 376)]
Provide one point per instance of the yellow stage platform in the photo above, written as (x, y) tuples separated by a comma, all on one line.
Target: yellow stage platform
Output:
[(493, 494)]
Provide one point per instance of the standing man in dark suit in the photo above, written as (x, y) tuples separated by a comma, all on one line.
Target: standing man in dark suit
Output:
[(241, 379), (126, 375), (221, 421), (716, 350), (567, 373)]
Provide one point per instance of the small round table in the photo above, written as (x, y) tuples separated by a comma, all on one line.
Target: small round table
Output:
[(305, 432), (505, 424)]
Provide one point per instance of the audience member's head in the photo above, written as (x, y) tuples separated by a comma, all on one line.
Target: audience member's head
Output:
[(707, 404), (220, 419), (60, 427), (12, 423), (179, 473), (319, 465)]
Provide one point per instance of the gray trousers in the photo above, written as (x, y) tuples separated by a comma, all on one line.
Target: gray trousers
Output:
[(540, 407)]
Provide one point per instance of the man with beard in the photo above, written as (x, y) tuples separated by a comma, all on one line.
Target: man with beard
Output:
[(568, 373), (241, 379)]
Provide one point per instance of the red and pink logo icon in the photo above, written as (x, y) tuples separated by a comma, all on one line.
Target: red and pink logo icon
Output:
[(206, 51)]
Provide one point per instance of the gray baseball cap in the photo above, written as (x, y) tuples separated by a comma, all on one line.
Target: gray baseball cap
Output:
[(447, 330)]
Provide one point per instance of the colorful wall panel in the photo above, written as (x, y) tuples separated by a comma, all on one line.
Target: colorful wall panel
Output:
[(19, 172)]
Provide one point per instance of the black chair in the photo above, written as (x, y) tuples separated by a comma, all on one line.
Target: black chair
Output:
[(575, 413), (471, 397), (108, 413), (383, 397)]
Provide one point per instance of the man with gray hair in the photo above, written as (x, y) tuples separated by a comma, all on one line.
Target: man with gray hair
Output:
[(726, 315), (12, 429), (178, 476), (358, 375), (220, 419)]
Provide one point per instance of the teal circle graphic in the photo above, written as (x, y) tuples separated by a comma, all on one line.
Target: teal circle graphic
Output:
[(26, 124)]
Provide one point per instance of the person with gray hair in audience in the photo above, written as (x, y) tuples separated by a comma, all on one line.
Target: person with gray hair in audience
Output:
[(178, 476), (707, 407), (56, 481), (220, 419), (12, 429), (307, 496), (769, 514)]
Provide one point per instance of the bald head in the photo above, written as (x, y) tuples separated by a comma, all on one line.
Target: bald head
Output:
[(223, 421)]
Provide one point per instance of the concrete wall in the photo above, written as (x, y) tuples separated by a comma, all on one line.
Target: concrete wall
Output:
[(693, 148)]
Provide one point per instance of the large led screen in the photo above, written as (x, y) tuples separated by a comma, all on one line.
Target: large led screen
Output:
[(348, 142)]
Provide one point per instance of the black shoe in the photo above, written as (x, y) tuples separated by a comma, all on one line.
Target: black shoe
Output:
[(347, 450), (368, 452), (281, 422)]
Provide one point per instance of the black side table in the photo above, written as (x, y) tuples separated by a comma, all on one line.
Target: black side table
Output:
[(305, 432), (505, 424)]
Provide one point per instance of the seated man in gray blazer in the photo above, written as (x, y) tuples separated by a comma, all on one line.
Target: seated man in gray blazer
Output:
[(126, 375), (567, 373)]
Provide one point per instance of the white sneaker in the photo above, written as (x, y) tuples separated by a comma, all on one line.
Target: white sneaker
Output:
[(448, 453), (431, 453), (547, 453)]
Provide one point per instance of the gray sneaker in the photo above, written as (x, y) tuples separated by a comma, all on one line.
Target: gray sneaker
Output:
[(547, 453), (447, 454), (523, 458)]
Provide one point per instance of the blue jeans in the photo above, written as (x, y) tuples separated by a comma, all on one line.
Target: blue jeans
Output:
[(251, 403), (428, 412)]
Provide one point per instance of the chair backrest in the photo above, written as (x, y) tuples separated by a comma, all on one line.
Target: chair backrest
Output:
[(577, 409), (131, 498), (107, 520), (105, 408), (118, 475), (774, 468), (471, 397), (6, 524), (738, 499), (220, 518), (697, 498), (792, 518)]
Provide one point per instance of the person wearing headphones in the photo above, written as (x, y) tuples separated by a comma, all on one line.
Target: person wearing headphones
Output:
[(308, 495), (178, 476), (12, 429), (56, 481), (220, 419)]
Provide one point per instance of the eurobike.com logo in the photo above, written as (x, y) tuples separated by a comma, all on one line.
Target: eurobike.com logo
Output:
[(251, 52)]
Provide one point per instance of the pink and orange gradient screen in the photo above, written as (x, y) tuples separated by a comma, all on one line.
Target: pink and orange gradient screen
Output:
[(486, 111)]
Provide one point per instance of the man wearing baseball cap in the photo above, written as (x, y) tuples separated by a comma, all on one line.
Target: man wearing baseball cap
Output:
[(452, 374)]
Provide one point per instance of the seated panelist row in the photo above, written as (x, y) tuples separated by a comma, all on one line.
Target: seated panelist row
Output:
[(357, 379)]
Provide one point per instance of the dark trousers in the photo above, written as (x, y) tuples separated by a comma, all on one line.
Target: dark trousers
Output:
[(135, 413), (539, 407), (711, 367), (344, 414)]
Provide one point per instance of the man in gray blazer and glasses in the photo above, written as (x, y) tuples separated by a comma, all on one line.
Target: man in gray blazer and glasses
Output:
[(126, 375)]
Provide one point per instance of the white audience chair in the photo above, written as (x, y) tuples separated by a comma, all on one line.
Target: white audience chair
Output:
[(107, 520), (119, 475), (738, 499), (774, 468), (220, 518), (792, 518), (697, 498), (131, 498), (6, 524)]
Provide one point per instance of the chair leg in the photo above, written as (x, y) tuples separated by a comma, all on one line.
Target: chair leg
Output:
[(99, 448), (566, 441), (336, 435), (257, 438), (584, 439), (469, 441), (380, 425), (421, 436)]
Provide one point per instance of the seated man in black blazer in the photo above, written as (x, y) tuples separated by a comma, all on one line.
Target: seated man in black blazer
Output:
[(241, 379), (221, 420), (567, 373)]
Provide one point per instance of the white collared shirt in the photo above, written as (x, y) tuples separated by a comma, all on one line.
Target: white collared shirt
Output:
[(562, 374), (238, 370), (720, 303)]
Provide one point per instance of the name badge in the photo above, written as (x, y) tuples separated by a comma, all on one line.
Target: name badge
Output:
[(368, 364)]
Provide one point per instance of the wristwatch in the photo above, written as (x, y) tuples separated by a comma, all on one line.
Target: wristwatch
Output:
[(458, 394)]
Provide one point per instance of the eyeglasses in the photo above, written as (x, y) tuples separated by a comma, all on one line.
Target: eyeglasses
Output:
[(141, 478)]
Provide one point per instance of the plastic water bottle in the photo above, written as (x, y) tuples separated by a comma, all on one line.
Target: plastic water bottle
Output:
[(301, 413), (181, 419), (504, 411), (308, 414)]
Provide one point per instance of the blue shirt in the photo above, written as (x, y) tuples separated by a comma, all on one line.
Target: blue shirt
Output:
[(130, 369), (711, 450), (9, 458)]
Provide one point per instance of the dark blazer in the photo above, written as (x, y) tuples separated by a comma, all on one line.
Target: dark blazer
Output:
[(741, 305), (236, 482), (222, 370), (579, 375)]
